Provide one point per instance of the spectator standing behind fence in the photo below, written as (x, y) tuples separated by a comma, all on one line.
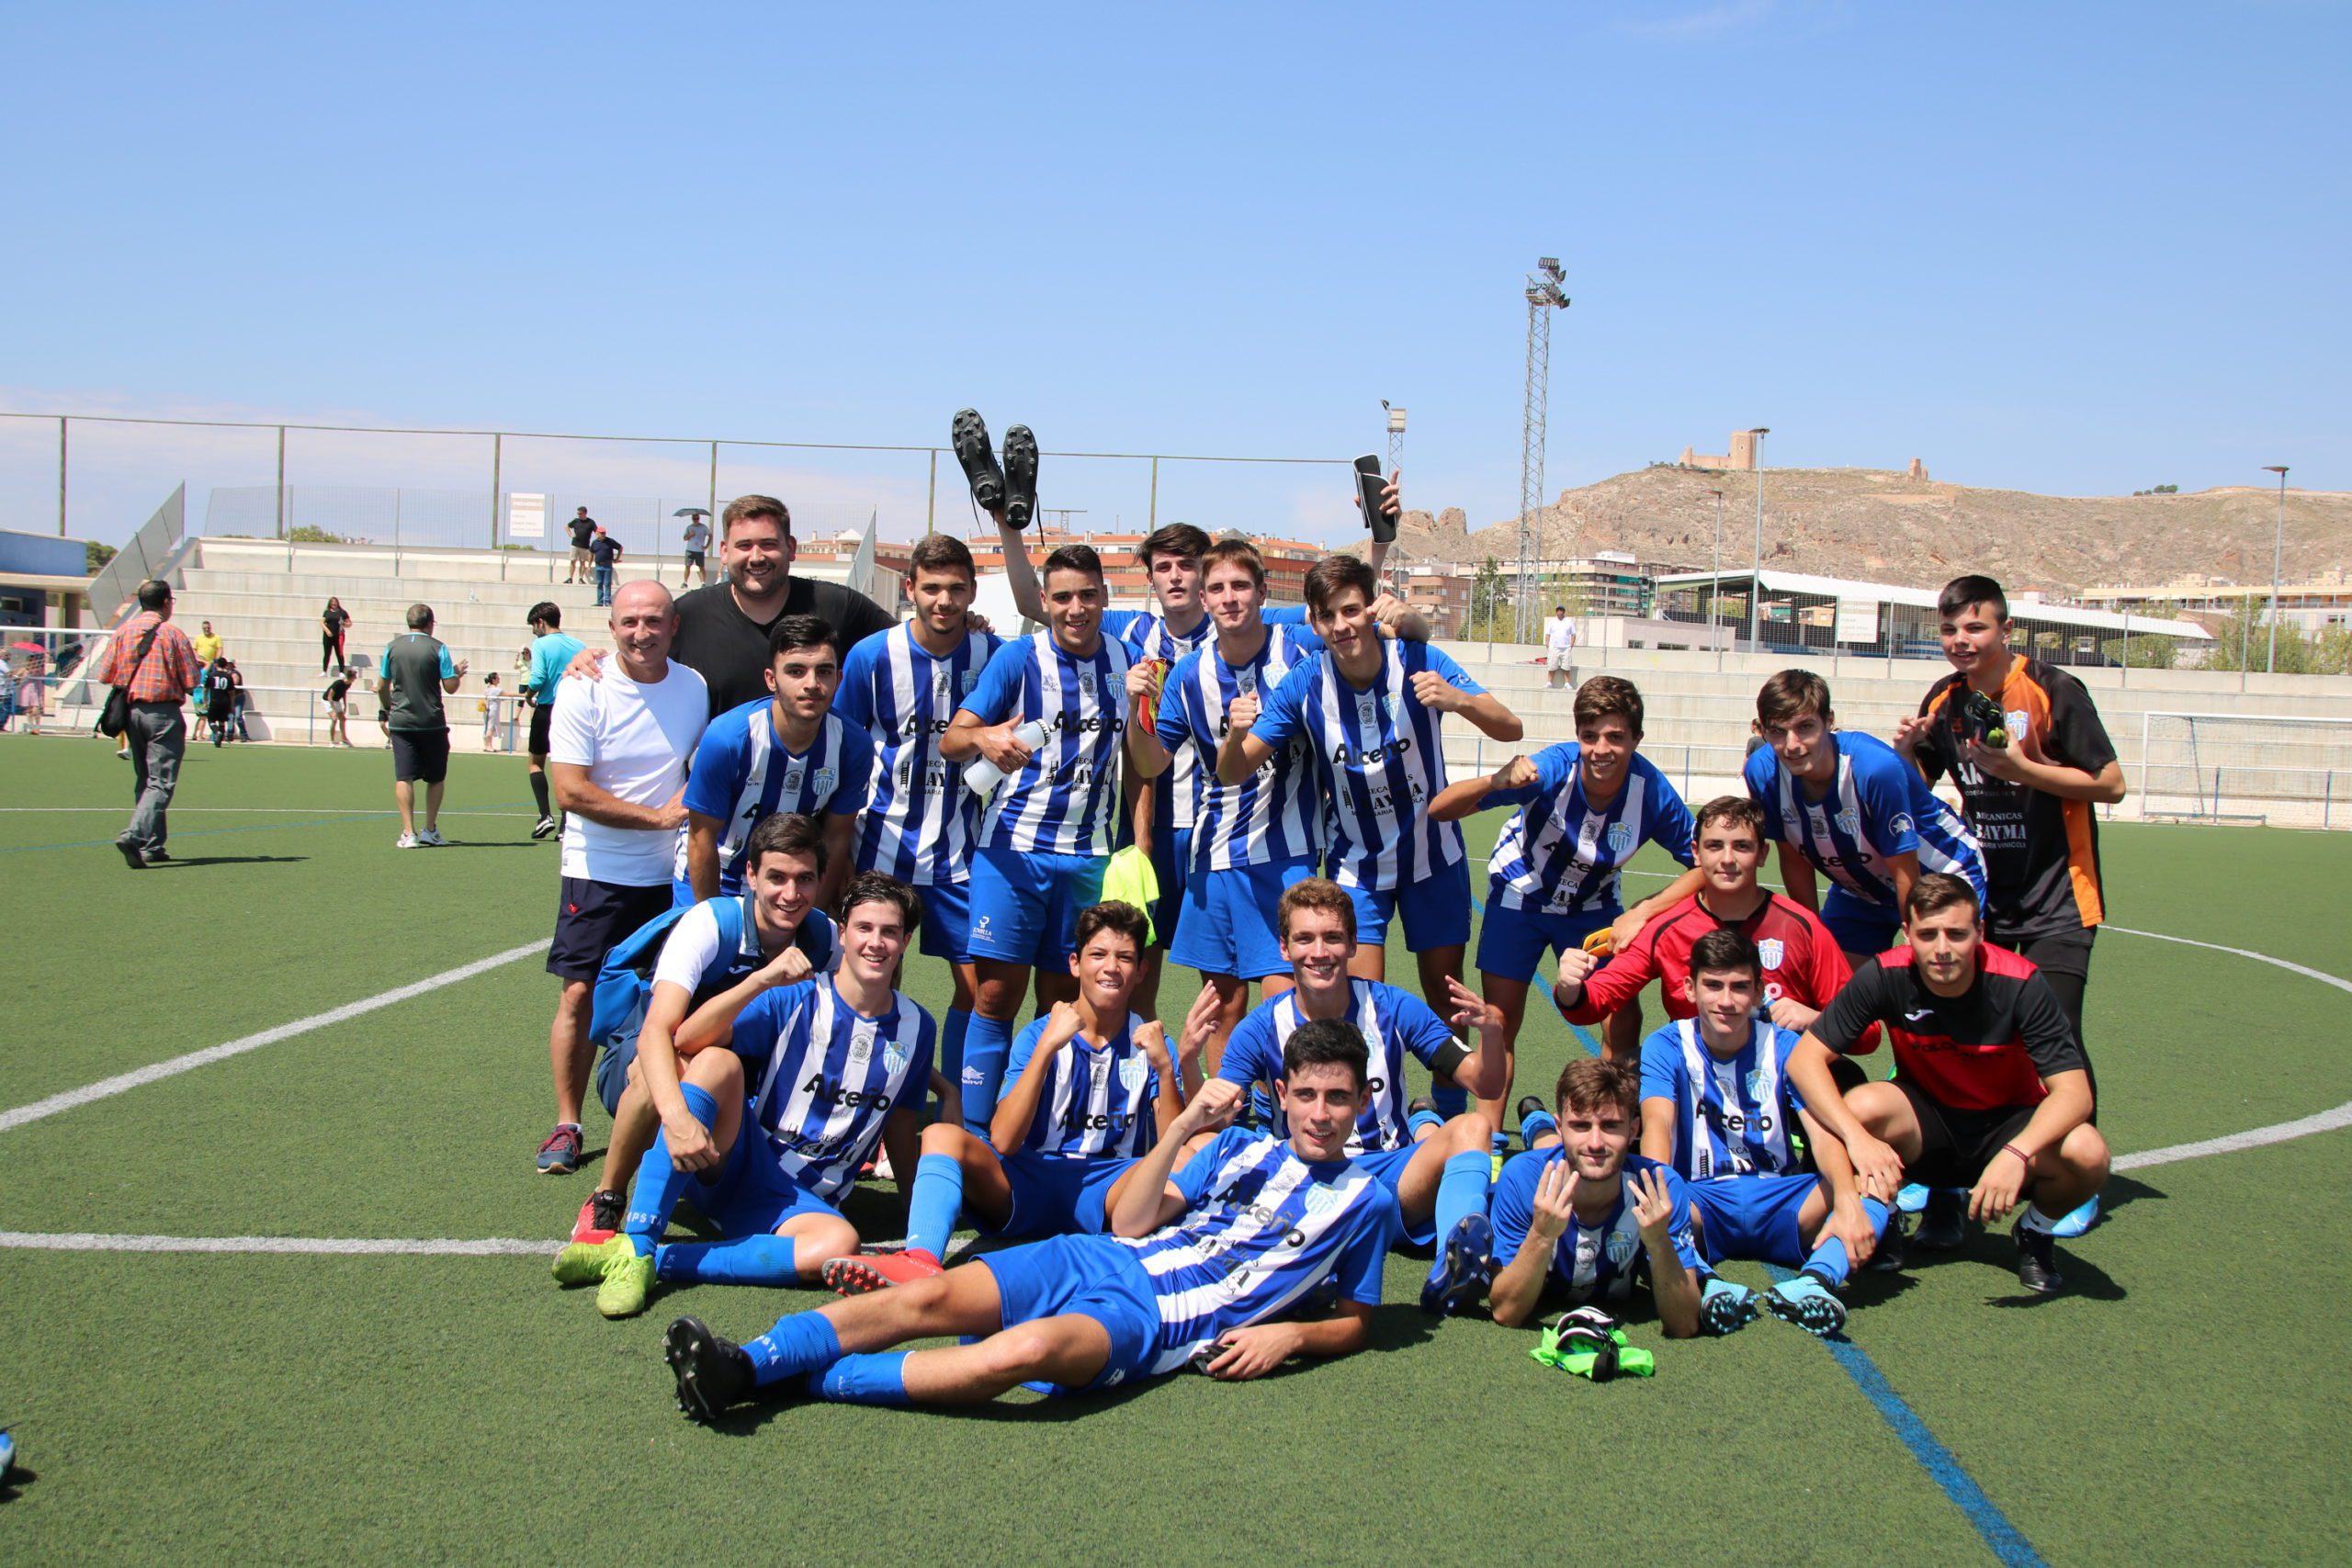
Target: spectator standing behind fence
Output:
[(31, 698), (697, 548), (333, 622), (494, 710), (9, 697), (338, 701), (606, 552), (583, 529), (619, 748), (415, 672), (1560, 648), (207, 645), (154, 662)]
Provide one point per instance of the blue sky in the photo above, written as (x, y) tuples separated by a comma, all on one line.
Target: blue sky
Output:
[(2079, 248)]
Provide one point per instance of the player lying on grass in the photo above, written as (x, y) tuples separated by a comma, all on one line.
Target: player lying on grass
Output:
[(1586, 805), (1989, 1093), (1440, 1181), (1089, 1087), (1195, 1268), (1853, 809), (1588, 1210), (702, 951), (1716, 1106), (1802, 964), (796, 1077)]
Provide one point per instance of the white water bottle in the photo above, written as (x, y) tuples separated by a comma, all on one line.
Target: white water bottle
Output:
[(983, 775)]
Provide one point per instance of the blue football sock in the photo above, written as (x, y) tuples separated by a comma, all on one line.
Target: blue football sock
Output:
[(951, 1045), (1830, 1260), (1461, 1190), (986, 1045), (937, 1201), (660, 1184), (1420, 1119), (1451, 1100), (801, 1342), (1535, 1126), (747, 1260), (863, 1380)]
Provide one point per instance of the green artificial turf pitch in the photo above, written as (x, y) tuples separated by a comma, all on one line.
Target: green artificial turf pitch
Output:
[(2183, 1399)]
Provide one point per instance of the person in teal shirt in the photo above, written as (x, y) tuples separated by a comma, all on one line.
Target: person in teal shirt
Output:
[(551, 650)]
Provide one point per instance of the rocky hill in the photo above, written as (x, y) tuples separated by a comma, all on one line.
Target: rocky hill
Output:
[(1888, 527)]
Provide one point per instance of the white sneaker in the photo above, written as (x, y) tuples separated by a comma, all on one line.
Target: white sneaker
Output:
[(405, 841), (429, 837)]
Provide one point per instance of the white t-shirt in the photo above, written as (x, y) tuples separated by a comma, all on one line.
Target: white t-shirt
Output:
[(1559, 634), (634, 740)]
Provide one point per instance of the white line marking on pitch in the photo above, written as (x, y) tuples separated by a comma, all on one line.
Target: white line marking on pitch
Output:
[(90, 1241), (121, 1082)]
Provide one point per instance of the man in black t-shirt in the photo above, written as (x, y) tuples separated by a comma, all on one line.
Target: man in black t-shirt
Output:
[(1990, 1090), (604, 554), (583, 532), (723, 628)]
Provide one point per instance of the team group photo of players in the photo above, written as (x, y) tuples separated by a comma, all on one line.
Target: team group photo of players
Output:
[(765, 821)]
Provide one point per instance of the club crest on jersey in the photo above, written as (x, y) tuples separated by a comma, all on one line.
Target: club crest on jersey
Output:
[(1755, 1081), (1133, 1074), (1621, 837), (971, 679), (1620, 1248), (1901, 823), (825, 778), (792, 777), (1770, 951), (1320, 1199), (2017, 720), (894, 1058), (1849, 824), (1086, 681)]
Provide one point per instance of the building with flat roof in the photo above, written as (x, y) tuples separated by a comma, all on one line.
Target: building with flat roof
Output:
[(2322, 604)]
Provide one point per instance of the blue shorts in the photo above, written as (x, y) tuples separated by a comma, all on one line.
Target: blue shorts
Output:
[(1172, 861), (753, 1195), (1229, 920), (946, 928), (613, 1063), (1025, 905), (1387, 1167), (1090, 1276), (1860, 926), (1513, 944), (1752, 1218), (1057, 1196), (1436, 910)]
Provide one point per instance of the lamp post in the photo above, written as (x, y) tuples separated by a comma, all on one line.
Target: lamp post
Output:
[(1756, 584), (1715, 583), (2277, 553)]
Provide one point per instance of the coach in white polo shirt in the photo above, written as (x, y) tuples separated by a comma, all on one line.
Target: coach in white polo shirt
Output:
[(617, 756)]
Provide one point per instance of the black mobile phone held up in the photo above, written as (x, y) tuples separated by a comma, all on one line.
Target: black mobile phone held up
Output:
[(1370, 482)]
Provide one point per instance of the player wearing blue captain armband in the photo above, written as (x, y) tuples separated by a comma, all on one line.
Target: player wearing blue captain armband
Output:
[(1585, 1212), (1851, 807), (1090, 1084), (1046, 833), (1717, 1106), (922, 819), (787, 753), (1370, 712), (1586, 808), (1201, 1268), (831, 1064)]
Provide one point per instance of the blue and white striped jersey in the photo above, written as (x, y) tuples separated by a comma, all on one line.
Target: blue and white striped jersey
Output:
[(1273, 814), (920, 817), (1376, 762), (1097, 1099), (1591, 1261), (1880, 807), (1066, 800), (1395, 1024), (1731, 1118), (1177, 797), (743, 774), (1264, 1229), (1560, 852), (824, 1076)]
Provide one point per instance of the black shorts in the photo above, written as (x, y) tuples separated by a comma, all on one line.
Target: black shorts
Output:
[(541, 716), (694, 558), (590, 919), (419, 756), (1956, 1145)]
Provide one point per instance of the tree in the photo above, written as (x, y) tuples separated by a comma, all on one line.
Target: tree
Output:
[(2246, 636), (94, 556), (1490, 606)]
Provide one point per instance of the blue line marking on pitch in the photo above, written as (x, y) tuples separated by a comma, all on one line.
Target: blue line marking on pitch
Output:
[(2003, 1540)]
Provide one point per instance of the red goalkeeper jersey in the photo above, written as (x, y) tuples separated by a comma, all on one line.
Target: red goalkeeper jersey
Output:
[(1802, 961)]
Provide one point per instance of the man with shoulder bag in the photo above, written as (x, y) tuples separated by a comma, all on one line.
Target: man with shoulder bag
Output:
[(151, 666)]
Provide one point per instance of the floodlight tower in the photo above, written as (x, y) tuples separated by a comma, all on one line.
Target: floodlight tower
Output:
[(1543, 296), (1399, 574)]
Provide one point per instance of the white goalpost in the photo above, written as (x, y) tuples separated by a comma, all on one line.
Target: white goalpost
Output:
[(2282, 769)]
